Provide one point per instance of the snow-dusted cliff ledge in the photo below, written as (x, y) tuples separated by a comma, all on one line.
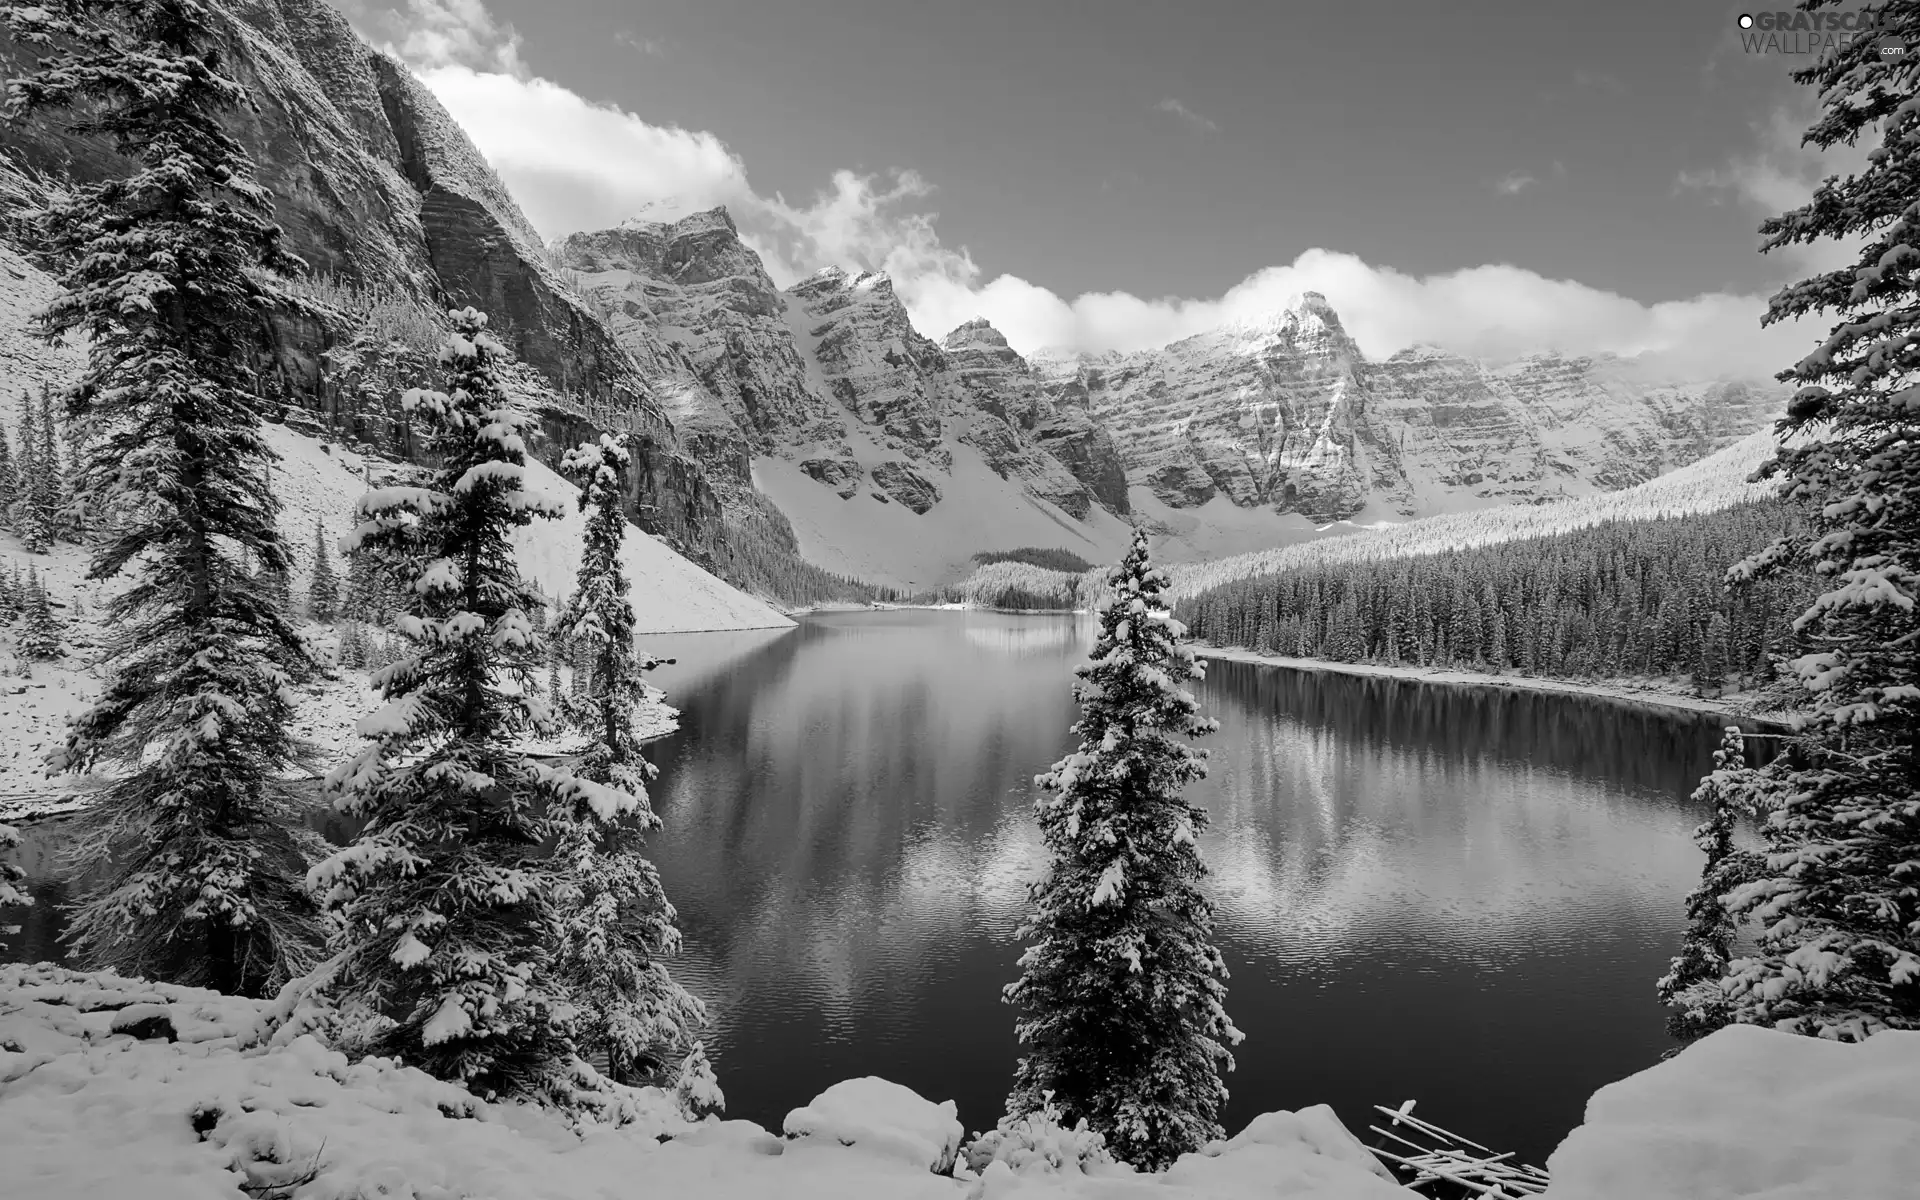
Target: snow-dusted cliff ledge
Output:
[(116, 1087)]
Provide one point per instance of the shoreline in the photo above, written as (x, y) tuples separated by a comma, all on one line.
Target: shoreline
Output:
[(1644, 693), (1647, 694)]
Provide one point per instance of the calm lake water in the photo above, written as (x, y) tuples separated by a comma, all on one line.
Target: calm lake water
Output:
[(1456, 895)]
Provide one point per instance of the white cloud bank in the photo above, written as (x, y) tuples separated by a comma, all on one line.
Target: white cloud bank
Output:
[(576, 164)]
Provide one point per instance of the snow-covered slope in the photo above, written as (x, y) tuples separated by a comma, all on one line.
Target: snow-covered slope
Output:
[(872, 538), (1750, 1112), (1720, 480), (670, 594)]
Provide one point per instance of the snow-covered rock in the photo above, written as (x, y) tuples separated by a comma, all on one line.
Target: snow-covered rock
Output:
[(882, 1118), (1286, 412), (1754, 1112)]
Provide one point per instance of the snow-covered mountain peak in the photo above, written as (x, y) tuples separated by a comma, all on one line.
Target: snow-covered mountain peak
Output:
[(654, 216), (977, 332)]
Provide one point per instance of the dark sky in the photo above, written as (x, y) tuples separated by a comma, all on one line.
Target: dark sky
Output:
[(1378, 127)]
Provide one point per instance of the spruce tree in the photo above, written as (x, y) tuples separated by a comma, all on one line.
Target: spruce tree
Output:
[(9, 482), (42, 637), (49, 484), (29, 520), (1839, 901), (620, 926), (353, 647), (12, 877), (169, 271), (1692, 981), (696, 1089), (1122, 988), (323, 592), (448, 909)]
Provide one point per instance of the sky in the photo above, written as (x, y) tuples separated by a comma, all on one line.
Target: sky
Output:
[(1495, 176)]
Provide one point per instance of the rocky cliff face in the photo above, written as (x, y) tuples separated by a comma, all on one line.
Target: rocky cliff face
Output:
[(377, 187), (1287, 413), (830, 374)]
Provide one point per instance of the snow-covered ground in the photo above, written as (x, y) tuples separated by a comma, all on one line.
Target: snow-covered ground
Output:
[(116, 1087), (670, 594), (244, 1100)]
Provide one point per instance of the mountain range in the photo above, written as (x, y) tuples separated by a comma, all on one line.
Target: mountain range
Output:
[(816, 421)]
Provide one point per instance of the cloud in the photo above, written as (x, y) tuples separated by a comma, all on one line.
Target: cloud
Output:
[(1780, 174), (1515, 182), (651, 47), (438, 33), (576, 164), (1199, 122), (1495, 311)]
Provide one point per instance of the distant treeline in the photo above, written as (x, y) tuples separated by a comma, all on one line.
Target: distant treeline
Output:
[(1018, 579), (1621, 599), (1047, 559)]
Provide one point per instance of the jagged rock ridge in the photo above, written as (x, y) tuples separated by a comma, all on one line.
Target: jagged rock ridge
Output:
[(1286, 412), (830, 374)]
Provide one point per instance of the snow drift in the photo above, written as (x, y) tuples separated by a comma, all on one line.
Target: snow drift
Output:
[(117, 1087)]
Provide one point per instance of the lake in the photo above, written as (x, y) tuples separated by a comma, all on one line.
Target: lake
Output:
[(1459, 895)]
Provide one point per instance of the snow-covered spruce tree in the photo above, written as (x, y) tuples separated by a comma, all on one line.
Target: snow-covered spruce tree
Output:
[(50, 487), (620, 926), (323, 590), (1692, 982), (1123, 990), (695, 1087), (449, 909), (42, 638), (1838, 903), (29, 520), (200, 856), (9, 485), (11, 876)]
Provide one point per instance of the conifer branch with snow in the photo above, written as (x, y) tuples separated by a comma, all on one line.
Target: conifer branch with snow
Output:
[(1692, 981), (200, 852), (1122, 989), (1838, 899), (619, 925), (449, 908)]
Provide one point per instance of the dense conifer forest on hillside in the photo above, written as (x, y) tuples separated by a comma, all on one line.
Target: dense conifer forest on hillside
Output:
[(1627, 598)]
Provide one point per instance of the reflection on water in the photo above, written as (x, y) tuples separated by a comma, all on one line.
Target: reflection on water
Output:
[(1459, 895)]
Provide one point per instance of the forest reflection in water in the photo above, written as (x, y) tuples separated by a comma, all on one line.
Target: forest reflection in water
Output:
[(1456, 894)]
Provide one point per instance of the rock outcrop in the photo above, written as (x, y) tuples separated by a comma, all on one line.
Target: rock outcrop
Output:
[(830, 373), (873, 362), (906, 485), (1286, 412)]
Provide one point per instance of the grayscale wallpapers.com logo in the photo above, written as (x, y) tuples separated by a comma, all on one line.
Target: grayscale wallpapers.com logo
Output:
[(1814, 33)]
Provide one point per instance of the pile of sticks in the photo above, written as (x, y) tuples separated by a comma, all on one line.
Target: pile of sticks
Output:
[(1446, 1165)]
